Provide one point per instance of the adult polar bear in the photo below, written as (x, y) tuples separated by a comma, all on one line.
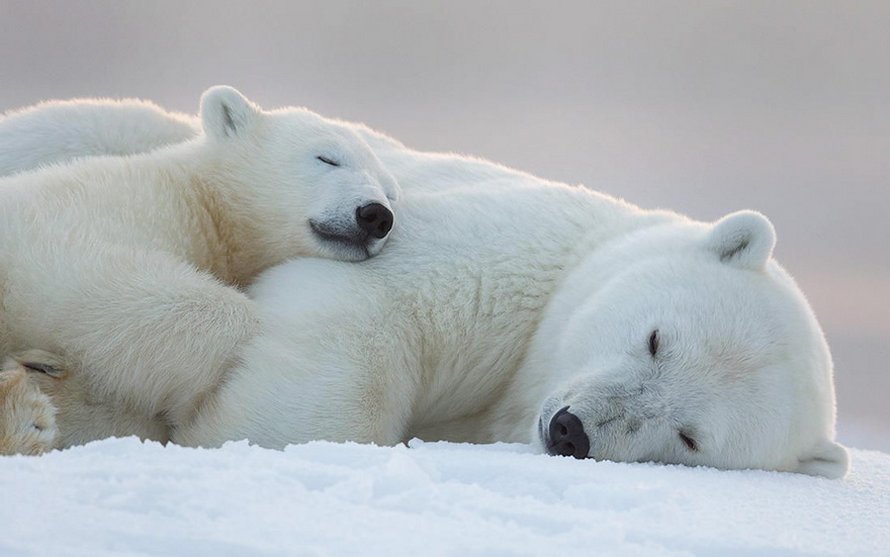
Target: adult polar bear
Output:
[(508, 308), (131, 267)]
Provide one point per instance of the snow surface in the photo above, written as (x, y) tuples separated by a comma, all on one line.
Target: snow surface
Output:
[(123, 497)]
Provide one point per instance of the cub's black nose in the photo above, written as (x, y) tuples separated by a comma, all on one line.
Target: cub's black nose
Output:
[(375, 219), (567, 437)]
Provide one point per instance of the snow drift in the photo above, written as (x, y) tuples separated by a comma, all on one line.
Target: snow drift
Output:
[(123, 497)]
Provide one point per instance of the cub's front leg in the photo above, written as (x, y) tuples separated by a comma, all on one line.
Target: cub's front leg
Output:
[(146, 330)]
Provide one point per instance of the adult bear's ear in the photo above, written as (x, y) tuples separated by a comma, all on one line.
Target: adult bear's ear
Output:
[(828, 460), (744, 239), (225, 112)]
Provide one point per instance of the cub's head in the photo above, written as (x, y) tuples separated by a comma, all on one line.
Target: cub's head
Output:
[(320, 188), (700, 350)]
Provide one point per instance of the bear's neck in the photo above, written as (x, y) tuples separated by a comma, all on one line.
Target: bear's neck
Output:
[(235, 247)]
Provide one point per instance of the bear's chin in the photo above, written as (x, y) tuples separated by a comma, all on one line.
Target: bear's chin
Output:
[(344, 245)]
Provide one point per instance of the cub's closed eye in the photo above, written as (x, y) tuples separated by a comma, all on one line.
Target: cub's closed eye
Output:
[(653, 343), (327, 160)]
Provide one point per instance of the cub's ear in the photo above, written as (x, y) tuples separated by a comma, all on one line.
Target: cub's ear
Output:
[(225, 112), (828, 459), (744, 239)]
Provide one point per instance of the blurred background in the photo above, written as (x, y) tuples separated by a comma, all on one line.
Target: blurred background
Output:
[(700, 107)]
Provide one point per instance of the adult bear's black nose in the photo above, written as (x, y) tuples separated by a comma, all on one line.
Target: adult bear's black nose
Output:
[(567, 437), (375, 219)]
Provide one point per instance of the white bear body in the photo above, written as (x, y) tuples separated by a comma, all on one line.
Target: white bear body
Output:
[(58, 131), (504, 298), (130, 267)]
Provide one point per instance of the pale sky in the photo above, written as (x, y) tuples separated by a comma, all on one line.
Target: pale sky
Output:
[(700, 107)]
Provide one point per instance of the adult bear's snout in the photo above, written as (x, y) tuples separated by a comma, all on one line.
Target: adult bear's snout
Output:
[(567, 437), (375, 219)]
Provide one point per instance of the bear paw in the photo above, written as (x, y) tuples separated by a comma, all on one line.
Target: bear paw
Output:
[(27, 415)]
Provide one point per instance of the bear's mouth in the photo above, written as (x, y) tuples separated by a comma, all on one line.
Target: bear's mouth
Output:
[(354, 240)]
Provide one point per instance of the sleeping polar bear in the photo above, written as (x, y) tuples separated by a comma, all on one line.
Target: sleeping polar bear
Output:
[(509, 308), (131, 267)]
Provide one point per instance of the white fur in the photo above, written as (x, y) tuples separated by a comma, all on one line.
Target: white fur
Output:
[(130, 266), (58, 131), (503, 298)]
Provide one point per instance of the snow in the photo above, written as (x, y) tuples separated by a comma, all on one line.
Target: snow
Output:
[(123, 497)]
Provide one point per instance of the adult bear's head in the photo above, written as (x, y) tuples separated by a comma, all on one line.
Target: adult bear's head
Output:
[(695, 348)]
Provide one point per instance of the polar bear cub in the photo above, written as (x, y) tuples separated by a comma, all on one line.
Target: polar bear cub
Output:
[(130, 267)]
